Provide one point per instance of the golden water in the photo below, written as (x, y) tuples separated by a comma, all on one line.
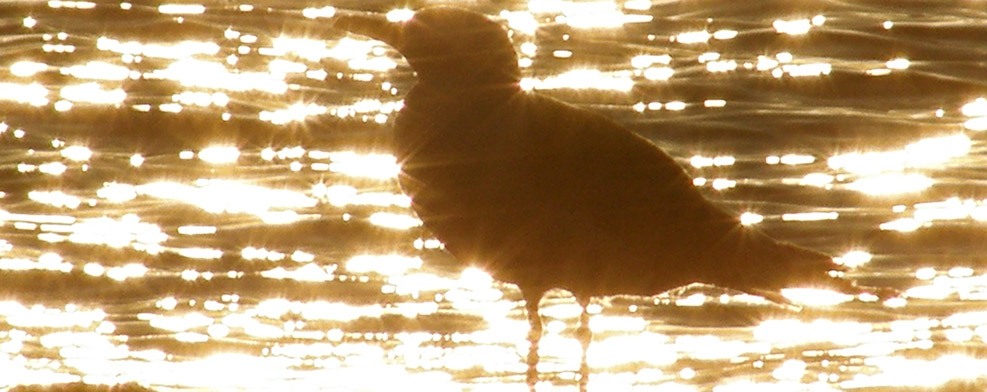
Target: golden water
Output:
[(201, 197)]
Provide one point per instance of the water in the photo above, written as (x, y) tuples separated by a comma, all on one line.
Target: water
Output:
[(202, 197)]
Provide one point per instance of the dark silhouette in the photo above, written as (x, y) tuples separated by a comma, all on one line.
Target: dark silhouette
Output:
[(546, 195)]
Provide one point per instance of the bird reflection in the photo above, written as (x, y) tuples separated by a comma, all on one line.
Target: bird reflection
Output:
[(546, 195)]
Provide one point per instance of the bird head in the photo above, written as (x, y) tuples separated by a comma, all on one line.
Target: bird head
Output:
[(447, 47)]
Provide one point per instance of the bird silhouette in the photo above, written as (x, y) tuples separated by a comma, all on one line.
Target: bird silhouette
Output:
[(546, 195)]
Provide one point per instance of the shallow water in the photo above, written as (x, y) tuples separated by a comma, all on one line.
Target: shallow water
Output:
[(202, 197)]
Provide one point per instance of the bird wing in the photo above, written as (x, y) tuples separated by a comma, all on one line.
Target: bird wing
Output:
[(601, 186), (634, 216)]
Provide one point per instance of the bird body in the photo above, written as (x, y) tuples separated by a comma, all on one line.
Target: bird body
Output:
[(546, 195)]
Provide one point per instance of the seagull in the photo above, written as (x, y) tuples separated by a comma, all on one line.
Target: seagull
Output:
[(546, 195)]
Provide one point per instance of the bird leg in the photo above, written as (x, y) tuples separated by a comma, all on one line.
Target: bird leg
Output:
[(585, 336), (534, 336)]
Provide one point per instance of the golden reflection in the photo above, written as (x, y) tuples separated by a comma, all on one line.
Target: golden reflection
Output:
[(784, 333), (98, 70), (792, 27), (962, 284), (658, 73), (127, 231), (116, 192), (93, 93), (815, 297), (93, 269), (692, 37), (360, 55), (899, 64), (318, 310), (374, 166), (799, 70), (978, 110), (924, 153), (750, 218), (199, 253), (725, 34), (56, 199), (181, 323), (721, 66), (708, 56), (297, 112), (76, 153), (878, 72), (126, 272), (599, 323), (181, 8), (810, 216), (400, 15), (251, 253), (854, 258), (82, 5), (383, 264), (63, 105), (675, 105), (222, 196), (709, 347), (33, 94), (790, 159), (723, 183), (890, 184), (27, 68), (180, 50), (582, 79), (220, 154), (206, 74), (699, 161), (765, 63), (394, 221), (58, 48), (307, 273), (343, 195), (902, 225), (39, 219), (324, 12), (36, 316), (52, 168), (45, 262), (882, 171), (592, 14), (976, 124), (951, 209), (562, 54), (520, 21), (812, 179), (645, 61), (895, 371), (637, 5), (201, 98), (284, 66)]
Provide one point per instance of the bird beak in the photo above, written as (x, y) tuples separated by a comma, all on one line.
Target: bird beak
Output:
[(370, 25)]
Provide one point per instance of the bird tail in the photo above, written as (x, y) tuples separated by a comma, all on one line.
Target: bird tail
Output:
[(818, 270)]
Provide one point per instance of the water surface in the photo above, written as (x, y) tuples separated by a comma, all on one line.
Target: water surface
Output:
[(202, 197)]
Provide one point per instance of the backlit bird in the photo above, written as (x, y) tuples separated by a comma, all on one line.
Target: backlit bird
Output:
[(546, 195)]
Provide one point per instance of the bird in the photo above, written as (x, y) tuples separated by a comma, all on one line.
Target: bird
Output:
[(546, 195)]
